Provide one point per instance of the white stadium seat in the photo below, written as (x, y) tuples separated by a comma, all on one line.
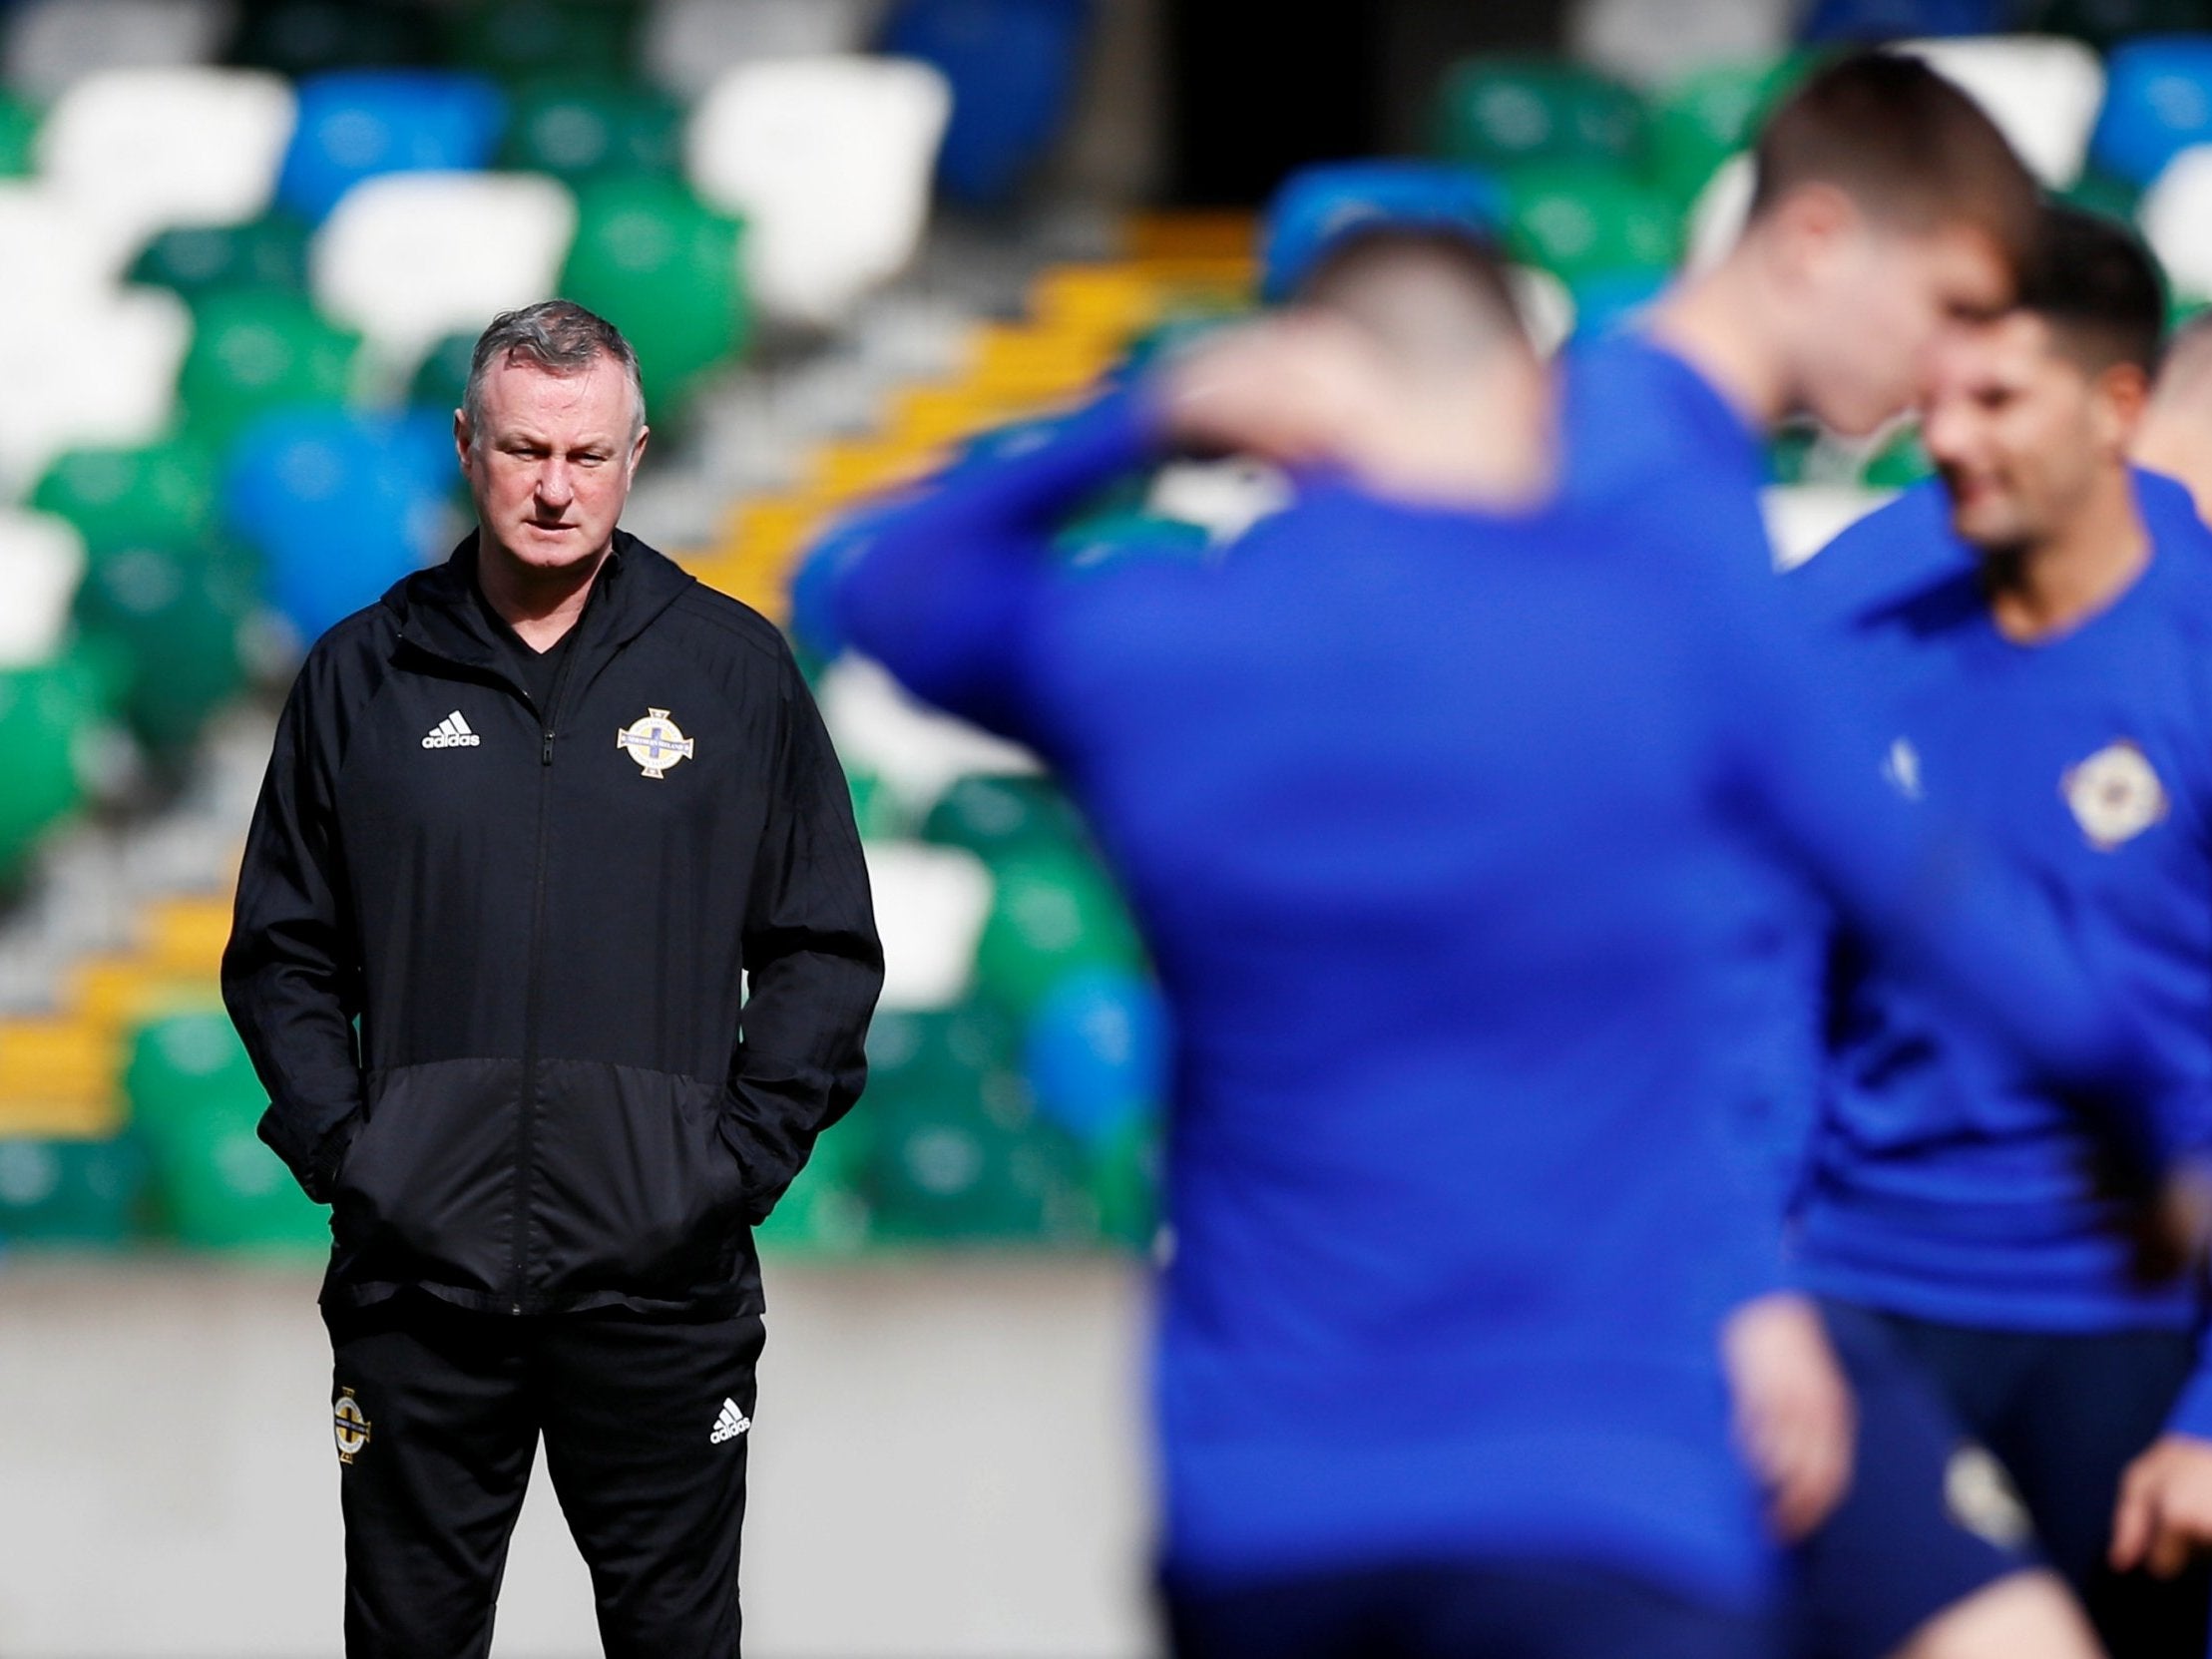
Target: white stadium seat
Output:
[(828, 160), (931, 904), (1717, 217), (100, 370), (1804, 517), (1654, 43), (140, 150), (51, 253), (916, 751), (42, 560), (52, 44), (688, 45), (2042, 90), (408, 258), (2176, 218)]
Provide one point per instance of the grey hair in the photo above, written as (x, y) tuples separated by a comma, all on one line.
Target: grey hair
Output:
[(558, 336)]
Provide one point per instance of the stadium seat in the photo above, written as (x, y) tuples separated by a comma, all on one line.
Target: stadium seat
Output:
[(69, 1192), (518, 38), (195, 259), (299, 38), (441, 379), (1546, 307), (1804, 517), (1509, 112), (2157, 103), (828, 160), (1125, 1186), (877, 813), (52, 44), (1052, 913), (48, 711), (340, 504), (140, 150), (665, 268), (1656, 43), (2176, 220), (2042, 90), (689, 44), (52, 256), (255, 350), (1707, 115), (1223, 499), (407, 257), (930, 905), (1580, 221), (361, 123), (1011, 67), (578, 129), (1716, 217), (175, 613), (990, 814), (1095, 1053), (916, 751), (120, 497), (1830, 21), (102, 370), (42, 559), (18, 130), (827, 1210), (1609, 298)]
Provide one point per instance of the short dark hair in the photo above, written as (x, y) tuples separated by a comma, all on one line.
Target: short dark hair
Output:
[(2097, 286), (1376, 252), (558, 335), (1903, 143)]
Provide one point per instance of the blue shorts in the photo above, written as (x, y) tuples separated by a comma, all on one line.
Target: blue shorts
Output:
[(2066, 1413), (1445, 1610), (1928, 1520)]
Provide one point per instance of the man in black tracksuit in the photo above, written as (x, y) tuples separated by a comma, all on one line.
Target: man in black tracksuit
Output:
[(534, 820)]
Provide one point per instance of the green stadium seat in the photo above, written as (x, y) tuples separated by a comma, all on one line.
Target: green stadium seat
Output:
[(663, 268), (266, 252), (69, 1192), (1053, 911), (118, 497), (994, 813), (255, 350), (1509, 112), (876, 807), (579, 130), (46, 714), (520, 39), (1125, 1184), (2101, 192), (1583, 221), (177, 615), (1710, 116), (196, 1103), (18, 129), (827, 1210), (1898, 463)]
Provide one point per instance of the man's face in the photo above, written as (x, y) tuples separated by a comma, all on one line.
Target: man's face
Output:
[(2019, 430), (1883, 301), (553, 465)]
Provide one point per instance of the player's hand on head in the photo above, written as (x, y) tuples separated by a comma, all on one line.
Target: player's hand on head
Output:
[(1293, 390), (2164, 1515), (1795, 1420)]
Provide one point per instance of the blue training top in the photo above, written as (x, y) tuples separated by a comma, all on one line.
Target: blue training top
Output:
[(1947, 1185), (1424, 818)]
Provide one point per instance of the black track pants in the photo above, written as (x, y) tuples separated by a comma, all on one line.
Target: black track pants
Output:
[(437, 1415)]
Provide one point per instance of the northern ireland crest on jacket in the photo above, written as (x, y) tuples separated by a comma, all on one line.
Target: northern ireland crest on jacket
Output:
[(654, 742), (2115, 795)]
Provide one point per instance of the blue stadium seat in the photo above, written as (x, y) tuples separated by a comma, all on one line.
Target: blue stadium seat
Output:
[(2157, 103), (1012, 65), (340, 504), (356, 123)]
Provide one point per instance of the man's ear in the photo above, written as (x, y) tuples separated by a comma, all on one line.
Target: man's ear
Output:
[(2121, 395), (461, 438), (1799, 231)]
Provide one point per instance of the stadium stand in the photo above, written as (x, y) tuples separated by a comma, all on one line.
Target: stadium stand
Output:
[(206, 217)]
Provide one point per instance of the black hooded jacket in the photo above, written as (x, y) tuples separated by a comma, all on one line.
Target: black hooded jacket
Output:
[(561, 1094)]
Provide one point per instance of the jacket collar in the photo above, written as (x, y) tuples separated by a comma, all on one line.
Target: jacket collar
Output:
[(438, 612)]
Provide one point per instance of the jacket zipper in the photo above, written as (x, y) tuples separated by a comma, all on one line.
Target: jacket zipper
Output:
[(532, 1010)]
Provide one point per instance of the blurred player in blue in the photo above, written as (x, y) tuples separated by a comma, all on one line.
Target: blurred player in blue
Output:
[(2051, 683), (1424, 818)]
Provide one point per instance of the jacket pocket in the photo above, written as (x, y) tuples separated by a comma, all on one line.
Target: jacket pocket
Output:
[(635, 1193), (425, 1193)]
